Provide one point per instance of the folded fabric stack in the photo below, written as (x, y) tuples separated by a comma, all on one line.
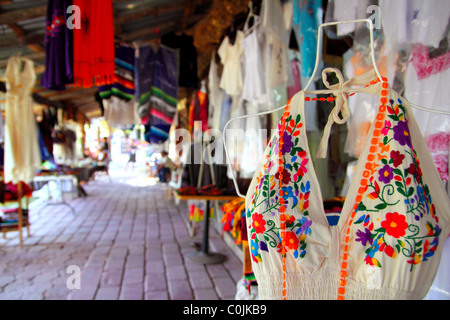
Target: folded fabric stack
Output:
[(9, 218), (234, 220)]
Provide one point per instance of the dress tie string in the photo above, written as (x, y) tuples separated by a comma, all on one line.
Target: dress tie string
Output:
[(340, 90)]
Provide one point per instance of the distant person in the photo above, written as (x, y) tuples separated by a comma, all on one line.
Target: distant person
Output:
[(103, 150), (165, 167), (132, 156)]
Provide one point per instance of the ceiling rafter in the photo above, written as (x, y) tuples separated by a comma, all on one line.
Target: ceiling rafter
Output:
[(12, 17)]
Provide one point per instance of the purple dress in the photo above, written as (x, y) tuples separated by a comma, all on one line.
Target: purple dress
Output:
[(58, 47)]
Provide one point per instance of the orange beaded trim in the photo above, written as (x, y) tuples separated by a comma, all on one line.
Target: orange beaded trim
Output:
[(369, 170), (282, 209)]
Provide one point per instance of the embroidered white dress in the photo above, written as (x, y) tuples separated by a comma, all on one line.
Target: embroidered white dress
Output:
[(22, 155), (390, 235)]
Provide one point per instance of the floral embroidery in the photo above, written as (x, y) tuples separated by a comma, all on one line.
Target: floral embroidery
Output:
[(270, 200), (395, 224), (387, 232)]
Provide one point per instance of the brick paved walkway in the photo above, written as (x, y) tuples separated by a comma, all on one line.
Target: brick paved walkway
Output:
[(129, 243)]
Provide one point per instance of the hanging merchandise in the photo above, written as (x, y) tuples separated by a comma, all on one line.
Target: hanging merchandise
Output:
[(22, 154), (215, 95), (156, 90), (276, 42), (230, 55), (306, 19), (426, 84), (198, 110), (407, 22), (93, 44), (58, 47), (421, 37), (188, 58), (143, 66), (119, 96), (254, 86), (394, 220), (233, 220), (253, 146)]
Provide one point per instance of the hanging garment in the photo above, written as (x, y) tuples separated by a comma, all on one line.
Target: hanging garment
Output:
[(253, 146), (426, 84), (413, 21), (58, 47), (230, 56), (93, 44), (215, 95), (118, 97), (277, 41), (306, 21), (156, 90), (22, 153), (254, 85), (188, 76), (143, 65), (389, 238), (198, 111)]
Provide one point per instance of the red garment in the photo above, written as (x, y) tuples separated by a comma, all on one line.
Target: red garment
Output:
[(93, 57), (199, 111), (12, 191)]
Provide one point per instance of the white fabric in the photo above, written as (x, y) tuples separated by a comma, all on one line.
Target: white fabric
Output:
[(230, 56), (413, 21), (277, 38), (234, 135), (316, 274), (253, 146), (215, 95), (22, 155), (254, 79), (345, 10), (120, 112), (431, 92)]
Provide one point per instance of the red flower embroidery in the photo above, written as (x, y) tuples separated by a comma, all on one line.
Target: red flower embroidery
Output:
[(291, 240), (285, 177), (397, 157), (258, 223), (395, 224)]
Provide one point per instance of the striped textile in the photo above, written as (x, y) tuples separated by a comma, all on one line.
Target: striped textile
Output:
[(156, 92), (123, 85)]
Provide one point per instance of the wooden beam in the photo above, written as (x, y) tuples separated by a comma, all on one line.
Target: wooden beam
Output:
[(23, 14), (52, 93), (77, 92), (20, 33), (13, 42), (153, 11), (188, 12), (83, 100), (32, 56), (149, 33)]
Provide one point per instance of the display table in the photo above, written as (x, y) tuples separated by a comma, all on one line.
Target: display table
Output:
[(45, 179), (204, 256)]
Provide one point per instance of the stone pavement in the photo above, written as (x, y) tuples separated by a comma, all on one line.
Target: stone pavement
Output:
[(128, 241)]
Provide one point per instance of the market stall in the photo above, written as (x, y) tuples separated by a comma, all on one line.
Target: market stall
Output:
[(318, 131)]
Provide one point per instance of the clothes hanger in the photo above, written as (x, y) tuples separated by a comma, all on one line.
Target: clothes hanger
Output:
[(318, 55), (251, 14)]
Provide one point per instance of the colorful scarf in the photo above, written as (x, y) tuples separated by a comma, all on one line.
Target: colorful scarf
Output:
[(94, 44), (123, 86), (156, 90), (58, 47)]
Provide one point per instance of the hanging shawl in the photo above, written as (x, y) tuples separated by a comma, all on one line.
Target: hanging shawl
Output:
[(94, 44), (156, 90), (58, 47)]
